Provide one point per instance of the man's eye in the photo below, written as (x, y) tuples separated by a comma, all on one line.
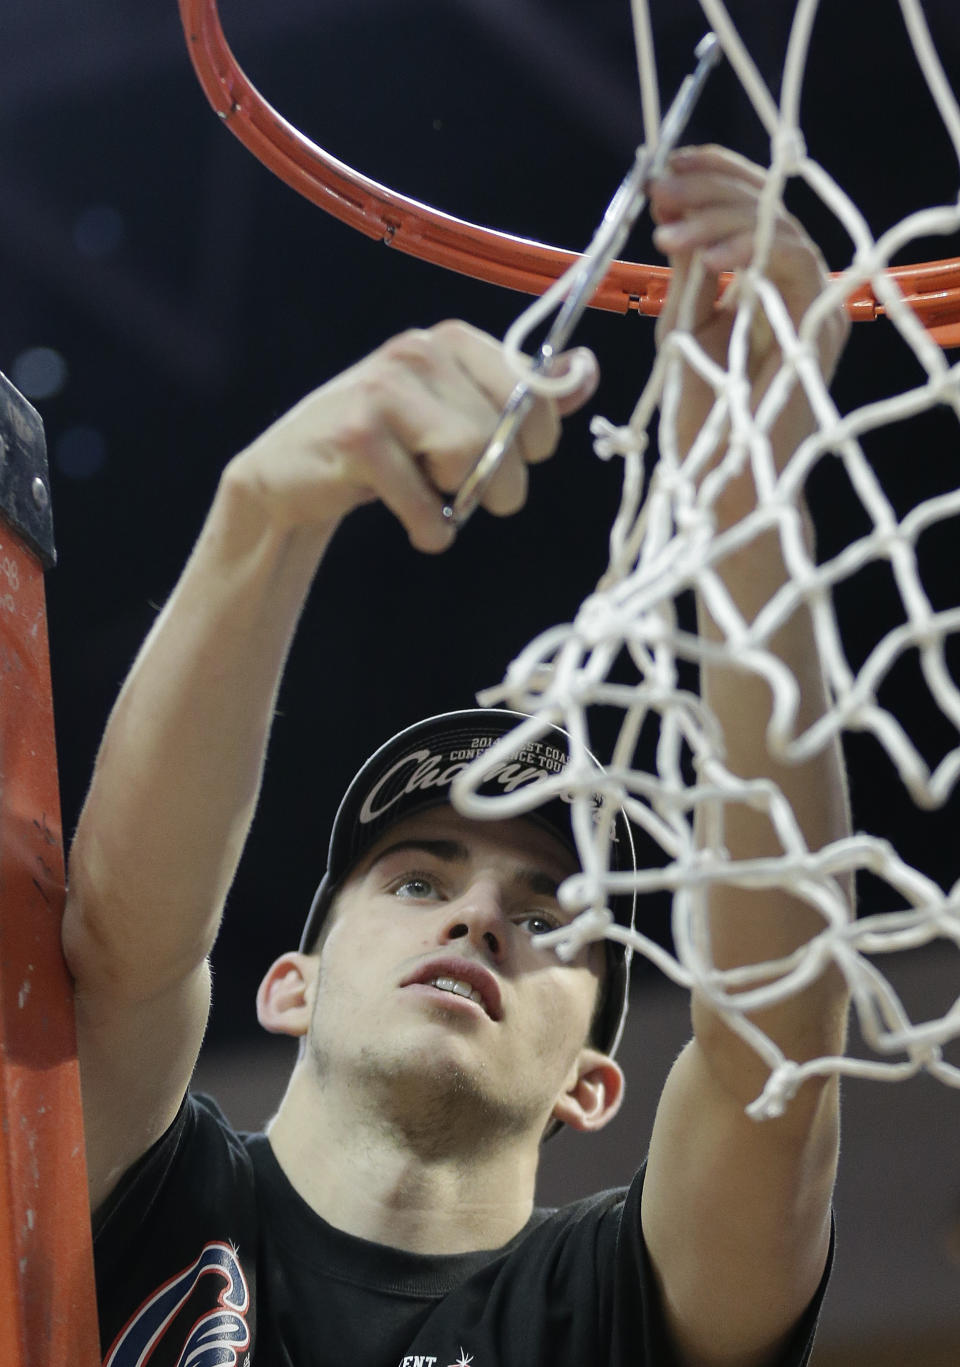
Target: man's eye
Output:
[(414, 886), (538, 923)]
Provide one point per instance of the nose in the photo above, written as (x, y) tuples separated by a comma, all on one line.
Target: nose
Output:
[(477, 917)]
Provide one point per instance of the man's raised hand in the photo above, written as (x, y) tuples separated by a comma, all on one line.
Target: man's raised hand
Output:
[(708, 202), (405, 426)]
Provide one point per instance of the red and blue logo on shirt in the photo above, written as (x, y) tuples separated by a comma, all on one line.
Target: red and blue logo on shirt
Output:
[(208, 1333)]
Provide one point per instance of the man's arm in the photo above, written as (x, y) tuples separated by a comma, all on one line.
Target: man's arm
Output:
[(178, 773), (736, 1213)]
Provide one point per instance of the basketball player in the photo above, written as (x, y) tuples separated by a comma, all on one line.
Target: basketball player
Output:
[(387, 1217)]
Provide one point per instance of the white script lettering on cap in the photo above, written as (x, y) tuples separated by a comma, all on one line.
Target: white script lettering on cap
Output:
[(428, 772)]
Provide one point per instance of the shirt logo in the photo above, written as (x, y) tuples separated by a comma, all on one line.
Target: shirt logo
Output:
[(419, 1360), (214, 1338)]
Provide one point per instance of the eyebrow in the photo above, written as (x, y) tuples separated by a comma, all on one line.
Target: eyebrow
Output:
[(455, 852)]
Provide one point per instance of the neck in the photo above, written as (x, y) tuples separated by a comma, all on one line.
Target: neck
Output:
[(427, 1176)]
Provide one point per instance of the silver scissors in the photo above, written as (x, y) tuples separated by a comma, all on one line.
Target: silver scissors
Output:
[(615, 227)]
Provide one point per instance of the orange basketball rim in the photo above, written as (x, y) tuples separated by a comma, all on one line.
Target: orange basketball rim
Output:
[(932, 288)]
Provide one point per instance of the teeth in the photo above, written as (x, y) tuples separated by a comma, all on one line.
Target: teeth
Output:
[(458, 987)]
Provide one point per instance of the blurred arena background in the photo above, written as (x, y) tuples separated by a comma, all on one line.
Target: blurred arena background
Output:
[(163, 298)]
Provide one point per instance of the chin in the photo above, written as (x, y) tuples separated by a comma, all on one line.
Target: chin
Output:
[(440, 1064), (441, 1099)]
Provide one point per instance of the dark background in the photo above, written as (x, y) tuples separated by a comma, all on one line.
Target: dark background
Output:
[(191, 298)]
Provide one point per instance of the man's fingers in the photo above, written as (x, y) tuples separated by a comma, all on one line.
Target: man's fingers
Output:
[(701, 178), (411, 496), (444, 417), (507, 491), (724, 234), (708, 202), (482, 363), (714, 160)]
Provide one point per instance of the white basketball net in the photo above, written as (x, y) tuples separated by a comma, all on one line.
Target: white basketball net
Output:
[(664, 543)]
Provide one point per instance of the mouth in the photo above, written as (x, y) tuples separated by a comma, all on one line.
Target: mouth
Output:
[(463, 979)]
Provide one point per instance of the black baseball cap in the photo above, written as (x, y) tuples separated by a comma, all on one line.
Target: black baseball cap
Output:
[(413, 771)]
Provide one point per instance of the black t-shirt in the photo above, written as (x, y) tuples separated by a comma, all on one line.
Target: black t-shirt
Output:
[(207, 1257)]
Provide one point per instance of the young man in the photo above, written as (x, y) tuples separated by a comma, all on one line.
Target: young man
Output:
[(388, 1216)]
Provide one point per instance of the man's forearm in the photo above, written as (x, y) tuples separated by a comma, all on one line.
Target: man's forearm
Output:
[(178, 773), (750, 926)]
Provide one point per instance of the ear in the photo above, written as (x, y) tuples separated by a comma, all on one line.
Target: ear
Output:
[(285, 996), (594, 1095)]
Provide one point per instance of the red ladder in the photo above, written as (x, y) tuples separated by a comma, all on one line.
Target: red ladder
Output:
[(47, 1305)]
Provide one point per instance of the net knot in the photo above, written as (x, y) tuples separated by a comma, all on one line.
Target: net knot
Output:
[(689, 517), (610, 440), (781, 1087), (596, 621), (789, 150)]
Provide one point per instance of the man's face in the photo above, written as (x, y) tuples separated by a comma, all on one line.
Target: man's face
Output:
[(432, 987)]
